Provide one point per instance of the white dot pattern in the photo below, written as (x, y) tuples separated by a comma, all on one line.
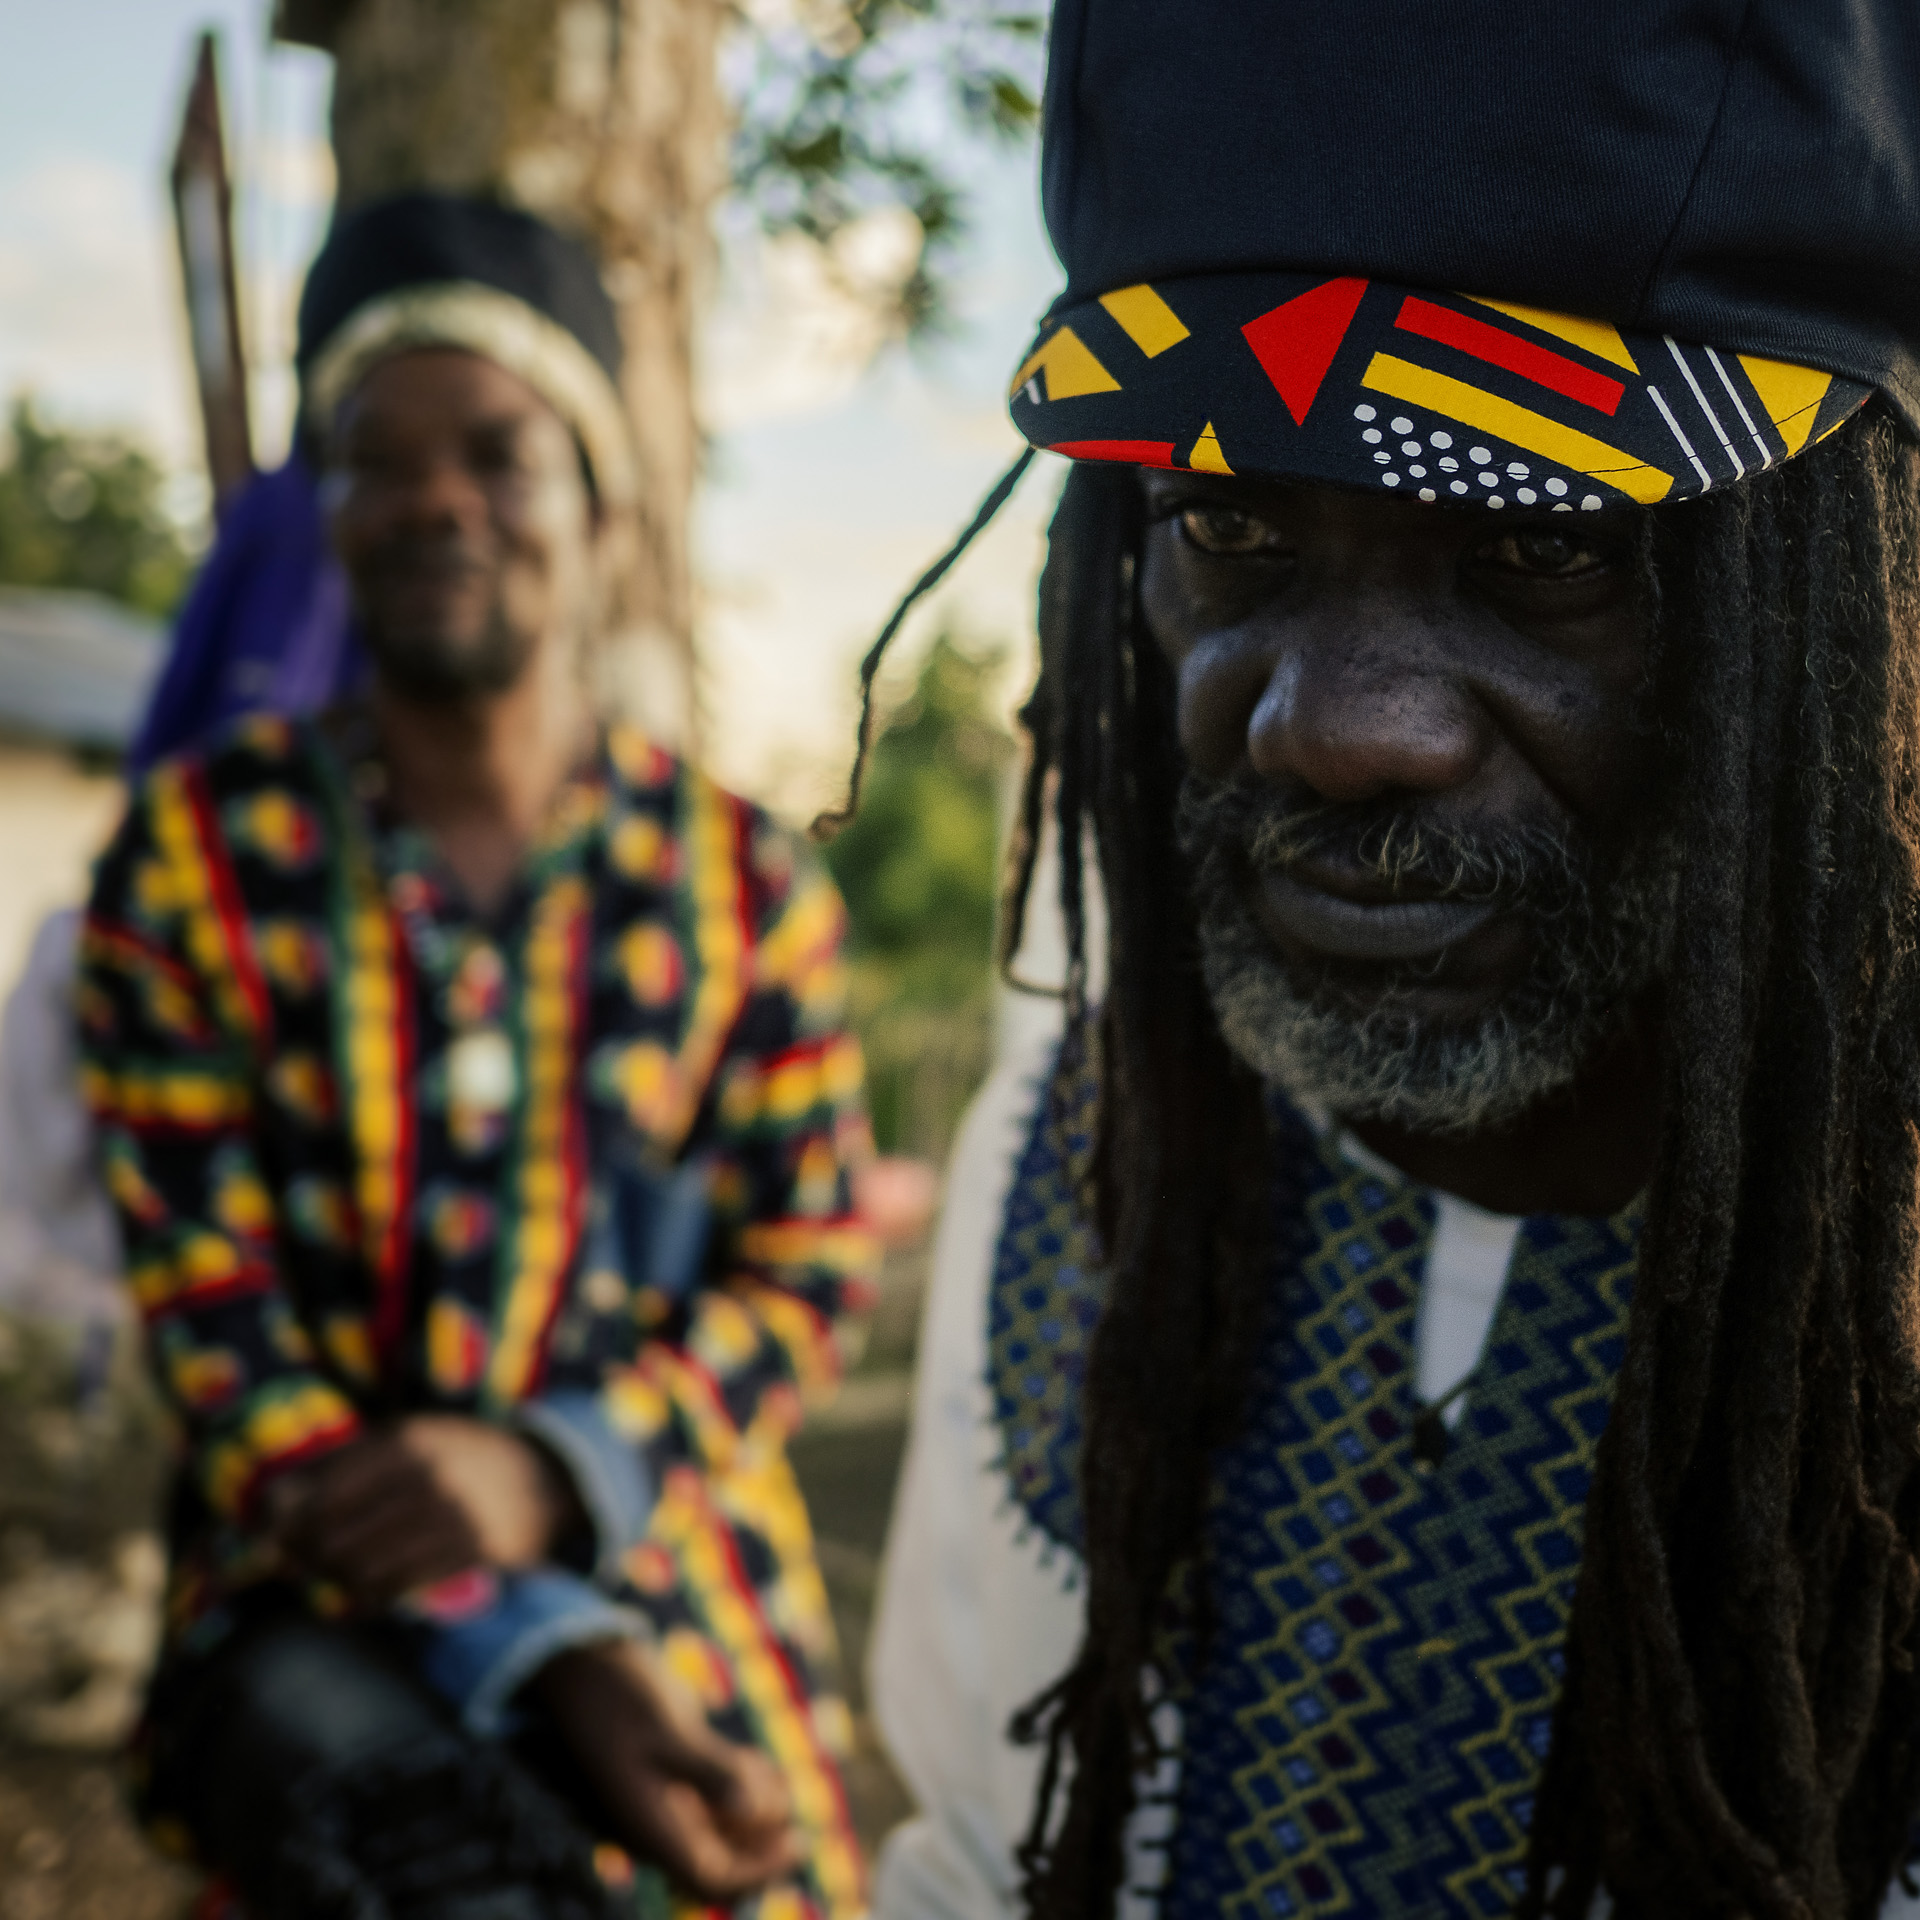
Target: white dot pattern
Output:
[(1415, 457)]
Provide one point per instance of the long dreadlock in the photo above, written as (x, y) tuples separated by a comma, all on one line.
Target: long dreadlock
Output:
[(1740, 1728)]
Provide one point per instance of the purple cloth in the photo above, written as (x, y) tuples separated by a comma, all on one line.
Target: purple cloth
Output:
[(267, 627)]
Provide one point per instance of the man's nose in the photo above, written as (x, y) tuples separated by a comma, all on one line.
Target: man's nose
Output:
[(1359, 705), (439, 493)]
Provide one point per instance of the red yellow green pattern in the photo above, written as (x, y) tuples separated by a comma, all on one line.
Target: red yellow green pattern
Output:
[(274, 973)]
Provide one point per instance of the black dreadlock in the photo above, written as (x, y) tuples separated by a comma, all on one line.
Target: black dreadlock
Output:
[(1740, 1728)]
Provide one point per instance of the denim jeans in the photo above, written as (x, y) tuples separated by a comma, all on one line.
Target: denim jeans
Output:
[(327, 1783)]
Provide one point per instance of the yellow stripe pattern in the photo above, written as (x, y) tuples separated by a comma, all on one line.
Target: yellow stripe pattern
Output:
[(1591, 336), (719, 945), (283, 1423), (373, 1054), (545, 1237), (1521, 426), (177, 836), (158, 1096), (785, 1093), (1145, 319), (801, 1243), (687, 1524), (1791, 396)]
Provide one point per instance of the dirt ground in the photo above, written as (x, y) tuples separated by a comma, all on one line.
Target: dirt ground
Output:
[(79, 1582), (79, 1575)]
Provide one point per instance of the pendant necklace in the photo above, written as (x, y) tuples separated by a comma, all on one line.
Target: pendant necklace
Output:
[(463, 966)]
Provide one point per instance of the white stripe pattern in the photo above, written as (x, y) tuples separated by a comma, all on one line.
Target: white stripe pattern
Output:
[(1679, 433), (1733, 394), (1713, 419)]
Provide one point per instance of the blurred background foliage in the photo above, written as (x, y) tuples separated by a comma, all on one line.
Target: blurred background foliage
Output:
[(845, 106), (88, 511), (919, 869)]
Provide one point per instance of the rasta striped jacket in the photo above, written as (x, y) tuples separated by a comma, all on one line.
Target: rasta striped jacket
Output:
[(582, 1166)]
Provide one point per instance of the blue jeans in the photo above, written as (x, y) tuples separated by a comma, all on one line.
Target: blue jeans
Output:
[(325, 1780)]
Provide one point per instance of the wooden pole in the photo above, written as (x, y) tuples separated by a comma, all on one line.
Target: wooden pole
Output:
[(203, 220)]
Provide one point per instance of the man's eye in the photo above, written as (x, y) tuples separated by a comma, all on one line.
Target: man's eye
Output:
[(495, 453), (1544, 553), (1227, 530), (364, 460)]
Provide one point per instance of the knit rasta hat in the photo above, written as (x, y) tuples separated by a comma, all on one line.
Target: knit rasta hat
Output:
[(438, 270), (1520, 252)]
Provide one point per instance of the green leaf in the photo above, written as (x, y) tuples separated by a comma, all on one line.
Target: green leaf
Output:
[(826, 135)]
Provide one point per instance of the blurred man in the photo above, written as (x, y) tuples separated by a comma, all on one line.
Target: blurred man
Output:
[(1425, 1418), (472, 1087)]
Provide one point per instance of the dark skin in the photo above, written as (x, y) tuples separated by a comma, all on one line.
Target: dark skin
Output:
[(459, 509), (462, 516), (1478, 668)]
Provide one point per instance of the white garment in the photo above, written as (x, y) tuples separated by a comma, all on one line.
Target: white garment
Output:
[(1466, 1270), (59, 1246), (977, 1614), (974, 1619)]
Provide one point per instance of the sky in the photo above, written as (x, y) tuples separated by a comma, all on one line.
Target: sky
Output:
[(833, 480)]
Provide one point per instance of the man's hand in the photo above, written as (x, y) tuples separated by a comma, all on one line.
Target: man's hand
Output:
[(416, 1504), (715, 1817)]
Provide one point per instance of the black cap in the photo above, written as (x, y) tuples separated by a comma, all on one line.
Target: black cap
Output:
[(420, 239), (434, 269), (1666, 241)]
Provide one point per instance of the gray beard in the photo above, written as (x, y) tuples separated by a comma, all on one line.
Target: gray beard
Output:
[(1602, 933)]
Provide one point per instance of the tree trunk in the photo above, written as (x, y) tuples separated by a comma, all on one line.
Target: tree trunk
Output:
[(604, 117)]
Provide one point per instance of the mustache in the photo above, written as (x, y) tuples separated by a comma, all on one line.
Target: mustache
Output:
[(1545, 868), (437, 552)]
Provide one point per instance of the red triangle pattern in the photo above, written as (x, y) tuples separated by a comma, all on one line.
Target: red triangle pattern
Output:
[(1296, 341)]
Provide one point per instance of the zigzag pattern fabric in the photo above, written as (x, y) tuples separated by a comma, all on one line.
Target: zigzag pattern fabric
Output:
[(1366, 1734), (1440, 397), (1042, 1310)]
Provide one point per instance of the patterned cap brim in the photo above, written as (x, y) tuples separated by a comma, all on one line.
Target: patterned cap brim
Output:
[(1441, 396)]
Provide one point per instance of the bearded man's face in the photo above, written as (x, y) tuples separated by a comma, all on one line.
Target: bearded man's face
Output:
[(460, 511), (1421, 819)]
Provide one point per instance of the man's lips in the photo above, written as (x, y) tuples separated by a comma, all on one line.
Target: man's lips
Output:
[(1340, 919), (431, 574)]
